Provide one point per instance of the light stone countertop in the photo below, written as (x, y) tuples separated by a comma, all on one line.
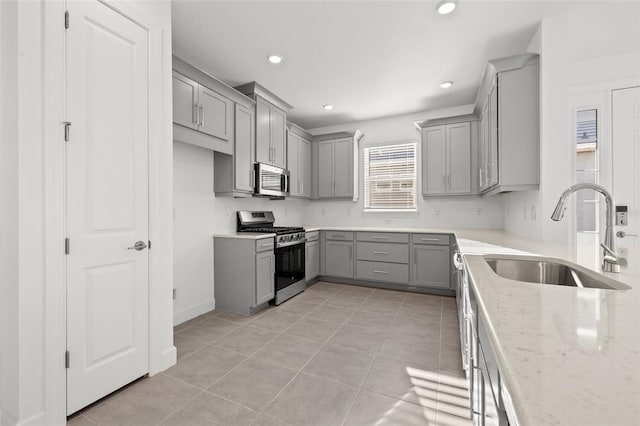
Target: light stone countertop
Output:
[(244, 235)]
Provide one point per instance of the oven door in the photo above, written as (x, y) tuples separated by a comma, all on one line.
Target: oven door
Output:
[(289, 265)]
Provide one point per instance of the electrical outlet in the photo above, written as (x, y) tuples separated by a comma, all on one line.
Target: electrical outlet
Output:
[(349, 212), (436, 212), (623, 252), (479, 211), (322, 212), (533, 213), (228, 212), (388, 221)]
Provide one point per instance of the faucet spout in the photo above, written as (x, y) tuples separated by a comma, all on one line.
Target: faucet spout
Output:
[(609, 260)]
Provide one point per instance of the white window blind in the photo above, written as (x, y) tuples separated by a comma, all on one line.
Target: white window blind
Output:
[(390, 177)]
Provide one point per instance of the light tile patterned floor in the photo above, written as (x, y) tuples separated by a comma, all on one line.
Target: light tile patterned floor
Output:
[(334, 355)]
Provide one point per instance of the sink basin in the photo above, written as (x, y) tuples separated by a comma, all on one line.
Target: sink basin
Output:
[(550, 272)]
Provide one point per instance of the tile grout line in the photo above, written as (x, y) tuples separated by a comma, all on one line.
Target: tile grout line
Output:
[(311, 358)]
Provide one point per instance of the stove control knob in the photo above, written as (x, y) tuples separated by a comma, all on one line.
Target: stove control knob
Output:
[(286, 238)]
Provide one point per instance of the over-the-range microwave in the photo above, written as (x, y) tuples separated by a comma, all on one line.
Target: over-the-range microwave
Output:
[(271, 181)]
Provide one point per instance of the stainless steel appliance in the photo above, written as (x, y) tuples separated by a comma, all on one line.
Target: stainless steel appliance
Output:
[(271, 181), (289, 276)]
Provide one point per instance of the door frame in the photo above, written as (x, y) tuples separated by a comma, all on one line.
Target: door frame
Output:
[(162, 352)]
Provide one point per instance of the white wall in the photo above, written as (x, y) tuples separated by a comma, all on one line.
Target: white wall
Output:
[(8, 214), (575, 65), (461, 212), (198, 214)]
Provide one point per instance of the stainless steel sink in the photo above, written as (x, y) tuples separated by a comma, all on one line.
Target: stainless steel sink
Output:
[(549, 271)]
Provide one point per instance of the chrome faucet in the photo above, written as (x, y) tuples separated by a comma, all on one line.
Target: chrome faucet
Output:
[(610, 262)]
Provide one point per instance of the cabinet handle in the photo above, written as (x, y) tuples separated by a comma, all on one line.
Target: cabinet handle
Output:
[(380, 272), (444, 183), (449, 182), (194, 115), (430, 239), (201, 115), (273, 264), (380, 252), (379, 237), (350, 252)]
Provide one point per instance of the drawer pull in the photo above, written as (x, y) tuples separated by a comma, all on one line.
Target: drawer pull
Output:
[(430, 239), (380, 252), (380, 272), (337, 236), (376, 237), (266, 245)]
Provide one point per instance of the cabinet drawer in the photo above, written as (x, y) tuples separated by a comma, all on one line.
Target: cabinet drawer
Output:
[(382, 271), (339, 235), (312, 236), (383, 252), (435, 239), (264, 244), (383, 237)]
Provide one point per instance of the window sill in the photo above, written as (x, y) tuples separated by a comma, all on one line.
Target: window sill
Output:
[(391, 213)]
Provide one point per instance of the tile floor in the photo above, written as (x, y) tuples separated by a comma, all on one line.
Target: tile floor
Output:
[(334, 355)]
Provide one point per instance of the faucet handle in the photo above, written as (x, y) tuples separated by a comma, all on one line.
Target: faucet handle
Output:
[(608, 250)]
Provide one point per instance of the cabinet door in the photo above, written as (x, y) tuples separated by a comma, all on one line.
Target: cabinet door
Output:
[(244, 146), (263, 131), (278, 123), (433, 160), (431, 266), (325, 169), (459, 158), (185, 98), (304, 167), (492, 163), (312, 267), (216, 114), (293, 164), (265, 273), (338, 258), (343, 167)]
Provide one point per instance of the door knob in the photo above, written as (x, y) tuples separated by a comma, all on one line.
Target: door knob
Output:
[(140, 245), (622, 234)]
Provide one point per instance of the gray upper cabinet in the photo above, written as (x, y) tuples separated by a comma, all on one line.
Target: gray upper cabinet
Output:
[(215, 114), (185, 99), (244, 148), (271, 124), (299, 164), (335, 168), (203, 109), (270, 134), (431, 266), (508, 107), (446, 159)]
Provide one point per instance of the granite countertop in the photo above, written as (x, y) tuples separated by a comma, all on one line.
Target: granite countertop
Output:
[(244, 235)]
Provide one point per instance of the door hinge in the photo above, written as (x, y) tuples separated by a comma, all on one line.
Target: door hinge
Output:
[(66, 246), (66, 359), (66, 19), (67, 130), (149, 245)]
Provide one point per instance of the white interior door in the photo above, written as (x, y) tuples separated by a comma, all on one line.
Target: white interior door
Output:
[(107, 202), (626, 170)]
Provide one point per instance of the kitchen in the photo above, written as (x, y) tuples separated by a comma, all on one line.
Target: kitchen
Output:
[(411, 161)]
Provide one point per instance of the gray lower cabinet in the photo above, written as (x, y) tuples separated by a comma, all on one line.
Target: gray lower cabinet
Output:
[(244, 271), (312, 259), (265, 270), (431, 266), (338, 257), (383, 271)]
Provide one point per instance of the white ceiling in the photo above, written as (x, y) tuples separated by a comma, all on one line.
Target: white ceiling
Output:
[(368, 58)]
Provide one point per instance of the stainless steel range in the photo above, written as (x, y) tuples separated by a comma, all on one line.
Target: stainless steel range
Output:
[(289, 251)]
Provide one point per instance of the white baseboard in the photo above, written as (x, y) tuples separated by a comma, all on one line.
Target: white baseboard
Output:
[(193, 311)]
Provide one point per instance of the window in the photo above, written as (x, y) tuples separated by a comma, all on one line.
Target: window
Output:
[(390, 177), (587, 202)]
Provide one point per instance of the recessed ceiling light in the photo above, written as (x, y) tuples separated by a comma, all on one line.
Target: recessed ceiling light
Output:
[(446, 84), (328, 107), (275, 59), (445, 7)]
